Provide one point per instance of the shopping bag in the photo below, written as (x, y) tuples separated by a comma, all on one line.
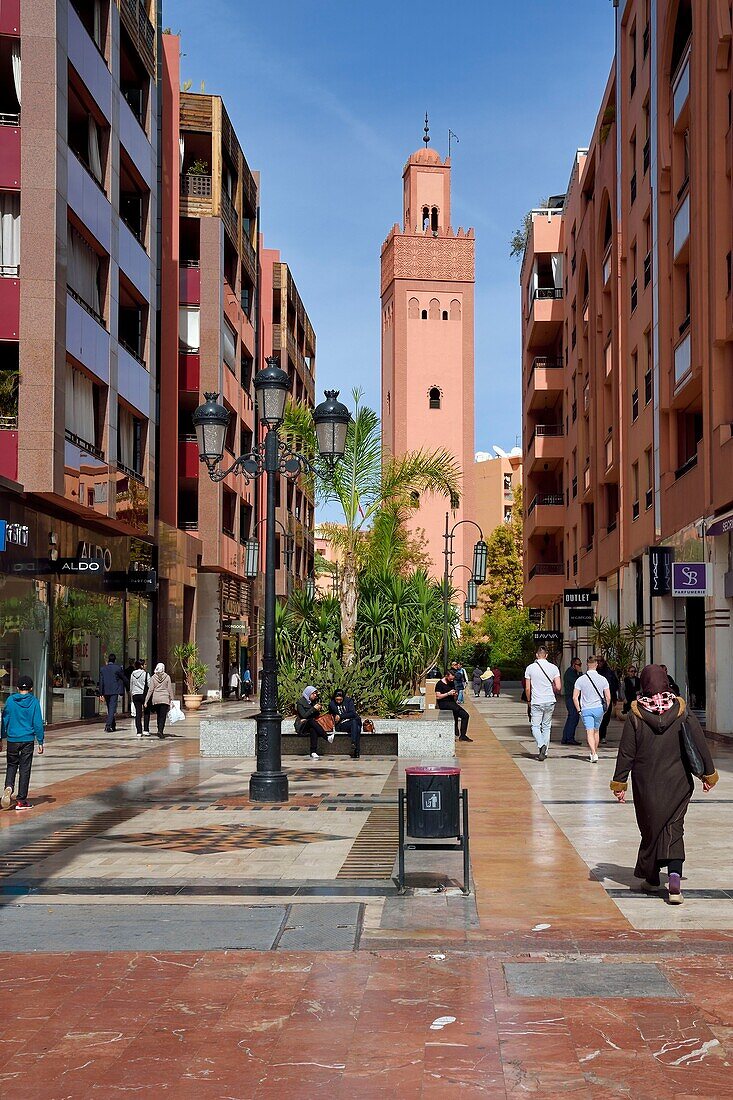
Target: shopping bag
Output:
[(175, 714)]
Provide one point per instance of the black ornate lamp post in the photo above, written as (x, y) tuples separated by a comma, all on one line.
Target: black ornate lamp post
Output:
[(478, 576), (272, 457)]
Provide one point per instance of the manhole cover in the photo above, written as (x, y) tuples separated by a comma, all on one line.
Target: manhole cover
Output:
[(586, 979)]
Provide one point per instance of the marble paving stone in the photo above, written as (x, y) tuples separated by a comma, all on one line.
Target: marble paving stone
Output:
[(588, 979)]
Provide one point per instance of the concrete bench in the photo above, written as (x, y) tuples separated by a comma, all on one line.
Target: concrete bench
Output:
[(416, 739)]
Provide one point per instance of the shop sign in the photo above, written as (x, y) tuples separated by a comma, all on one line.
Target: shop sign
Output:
[(581, 616), (578, 597), (84, 566), (87, 551), (239, 628), (535, 614), (690, 578), (660, 570), (720, 526), (13, 534), (230, 606), (144, 581), (542, 637)]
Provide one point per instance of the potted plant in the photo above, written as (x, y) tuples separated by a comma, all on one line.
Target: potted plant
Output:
[(186, 657)]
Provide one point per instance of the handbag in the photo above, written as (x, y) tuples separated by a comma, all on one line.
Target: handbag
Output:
[(325, 722), (368, 726), (694, 759)]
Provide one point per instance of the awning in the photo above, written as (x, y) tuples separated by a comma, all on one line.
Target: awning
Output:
[(721, 525)]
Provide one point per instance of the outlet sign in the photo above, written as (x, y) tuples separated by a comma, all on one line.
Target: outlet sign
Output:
[(690, 578)]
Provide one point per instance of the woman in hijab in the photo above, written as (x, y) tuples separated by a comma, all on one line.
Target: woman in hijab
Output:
[(160, 696), (652, 750), (307, 709)]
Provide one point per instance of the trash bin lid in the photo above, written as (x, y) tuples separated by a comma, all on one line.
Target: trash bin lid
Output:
[(437, 770)]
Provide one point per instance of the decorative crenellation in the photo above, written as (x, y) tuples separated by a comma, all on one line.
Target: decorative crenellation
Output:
[(445, 258)]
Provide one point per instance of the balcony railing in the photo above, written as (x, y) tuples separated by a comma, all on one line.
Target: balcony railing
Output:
[(229, 216), (9, 271), (547, 569), (546, 430), (542, 362), (141, 30), (9, 118), (8, 423), (686, 466), (133, 352), (85, 305), (84, 445), (548, 292), (546, 499), (128, 472), (196, 186)]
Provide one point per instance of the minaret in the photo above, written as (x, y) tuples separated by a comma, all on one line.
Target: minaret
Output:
[(427, 343)]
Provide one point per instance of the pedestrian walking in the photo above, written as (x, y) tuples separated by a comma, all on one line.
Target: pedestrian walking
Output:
[(235, 681), (591, 699), (139, 684), (632, 687), (461, 679), (112, 684), (488, 681), (495, 682), (476, 681), (541, 683), (344, 713), (21, 726), (446, 697), (247, 684), (609, 674), (160, 696), (307, 712), (572, 672), (662, 746)]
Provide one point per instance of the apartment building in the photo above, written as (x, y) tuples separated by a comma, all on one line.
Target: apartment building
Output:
[(627, 338), (210, 275), (78, 274), (288, 334), (495, 478)]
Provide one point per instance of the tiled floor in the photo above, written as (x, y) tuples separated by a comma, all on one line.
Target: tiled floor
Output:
[(113, 979)]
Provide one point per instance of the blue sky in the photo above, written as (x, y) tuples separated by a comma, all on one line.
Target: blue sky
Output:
[(328, 100)]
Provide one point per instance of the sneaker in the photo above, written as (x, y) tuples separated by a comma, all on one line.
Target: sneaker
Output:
[(7, 798), (542, 754), (594, 758), (330, 738), (138, 735), (22, 804), (674, 889), (315, 756)]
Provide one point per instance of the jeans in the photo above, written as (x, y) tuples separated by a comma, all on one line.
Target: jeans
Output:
[(142, 714), (20, 758), (352, 726), (571, 723), (606, 719), (314, 731), (461, 695), (460, 716), (541, 721), (111, 701)]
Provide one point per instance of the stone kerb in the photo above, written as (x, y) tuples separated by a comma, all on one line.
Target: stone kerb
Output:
[(227, 736), (415, 738)]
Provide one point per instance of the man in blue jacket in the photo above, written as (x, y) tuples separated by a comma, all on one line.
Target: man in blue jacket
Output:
[(22, 725), (112, 683)]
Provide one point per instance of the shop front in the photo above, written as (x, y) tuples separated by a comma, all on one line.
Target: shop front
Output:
[(69, 597)]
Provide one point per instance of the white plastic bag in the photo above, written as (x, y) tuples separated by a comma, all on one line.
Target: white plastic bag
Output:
[(175, 714)]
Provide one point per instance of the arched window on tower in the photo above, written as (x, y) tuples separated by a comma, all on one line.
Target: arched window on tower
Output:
[(434, 396), (445, 314), (434, 219), (455, 310), (434, 309), (424, 315), (413, 308), (425, 218)]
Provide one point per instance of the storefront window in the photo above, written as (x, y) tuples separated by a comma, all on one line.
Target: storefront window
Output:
[(23, 633), (87, 627)]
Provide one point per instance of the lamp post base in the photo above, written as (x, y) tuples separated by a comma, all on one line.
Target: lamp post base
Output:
[(268, 787)]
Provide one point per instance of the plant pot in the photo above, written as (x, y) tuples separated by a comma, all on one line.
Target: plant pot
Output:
[(192, 702)]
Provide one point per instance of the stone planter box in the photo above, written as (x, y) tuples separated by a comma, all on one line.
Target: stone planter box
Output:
[(410, 739)]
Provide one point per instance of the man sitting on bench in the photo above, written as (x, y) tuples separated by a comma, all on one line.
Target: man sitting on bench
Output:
[(446, 695), (347, 720)]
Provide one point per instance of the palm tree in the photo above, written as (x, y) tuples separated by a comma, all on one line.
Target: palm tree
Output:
[(363, 485)]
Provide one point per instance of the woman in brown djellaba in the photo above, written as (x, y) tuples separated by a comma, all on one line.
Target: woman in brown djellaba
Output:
[(653, 750)]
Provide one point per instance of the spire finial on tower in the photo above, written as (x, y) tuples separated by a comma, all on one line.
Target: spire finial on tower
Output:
[(426, 139)]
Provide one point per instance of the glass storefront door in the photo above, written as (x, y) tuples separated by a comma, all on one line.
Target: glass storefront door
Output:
[(23, 635)]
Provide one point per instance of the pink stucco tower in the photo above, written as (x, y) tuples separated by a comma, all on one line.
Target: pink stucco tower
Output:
[(427, 344)]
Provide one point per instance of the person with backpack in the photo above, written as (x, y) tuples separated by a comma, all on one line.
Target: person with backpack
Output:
[(22, 726), (139, 684), (591, 699), (541, 685)]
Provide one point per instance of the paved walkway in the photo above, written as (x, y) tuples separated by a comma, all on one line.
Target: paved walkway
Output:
[(163, 936)]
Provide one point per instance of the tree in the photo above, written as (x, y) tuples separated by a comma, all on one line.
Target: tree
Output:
[(363, 485), (520, 236), (505, 576)]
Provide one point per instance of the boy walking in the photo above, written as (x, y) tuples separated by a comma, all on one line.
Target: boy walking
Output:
[(22, 725)]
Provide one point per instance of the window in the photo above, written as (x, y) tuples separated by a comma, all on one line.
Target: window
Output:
[(413, 308), (188, 328), (129, 441), (9, 234), (81, 412), (455, 310), (434, 219), (425, 218), (434, 397), (635, 490), (434, 309), (94, 17), (424, 315), (649, 495), (228, 512), (445, 314), (83, 272), (229, 345), (247, 364)]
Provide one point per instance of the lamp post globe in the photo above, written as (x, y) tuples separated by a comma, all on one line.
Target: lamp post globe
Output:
[(480, 561), (331, 419), (210, 421), (271, 387)]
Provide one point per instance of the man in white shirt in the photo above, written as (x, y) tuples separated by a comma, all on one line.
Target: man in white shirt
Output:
[(541, 683), (592, 698)]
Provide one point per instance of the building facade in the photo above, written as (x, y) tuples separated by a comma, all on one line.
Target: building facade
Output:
[(627, 320), (78, 302), (427, 294), (495, 479)]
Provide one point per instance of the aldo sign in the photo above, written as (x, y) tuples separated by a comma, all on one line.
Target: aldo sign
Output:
[(689, 578)]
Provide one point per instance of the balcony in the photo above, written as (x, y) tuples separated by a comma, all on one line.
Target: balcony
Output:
[(545, 382), (189, 284), (230, 217), (546, 446), (141, 31), (9, 151), (9, 448), (188, 457), (545, 582), (196, 196), (10, 17), (189, 371), (545, 515), (87, 338), (546, 315), (9, 303), (249, 258)]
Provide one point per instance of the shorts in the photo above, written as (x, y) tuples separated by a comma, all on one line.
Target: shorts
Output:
[(592, 717)]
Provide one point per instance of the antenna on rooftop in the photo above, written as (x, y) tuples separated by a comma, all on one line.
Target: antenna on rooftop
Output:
[(426, 139), (454, 137)]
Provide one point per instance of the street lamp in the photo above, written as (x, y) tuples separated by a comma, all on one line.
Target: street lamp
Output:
[(272, 457), (466, 611), (478, 573)]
